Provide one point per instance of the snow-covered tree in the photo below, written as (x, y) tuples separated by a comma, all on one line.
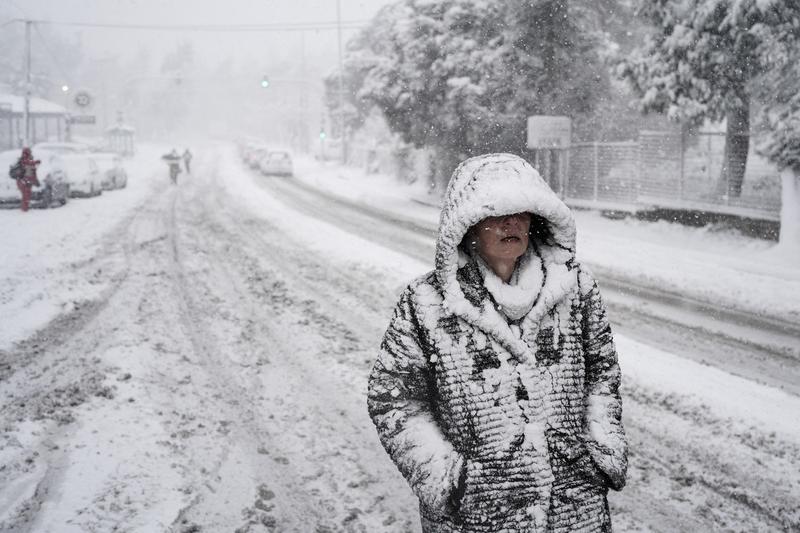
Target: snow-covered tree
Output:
[(701, 62), (462, 75), (778, 88)]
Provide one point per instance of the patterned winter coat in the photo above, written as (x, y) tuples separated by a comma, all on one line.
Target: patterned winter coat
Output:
[(502, 426)]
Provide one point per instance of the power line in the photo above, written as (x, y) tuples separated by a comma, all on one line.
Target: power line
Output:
[(235, 28)]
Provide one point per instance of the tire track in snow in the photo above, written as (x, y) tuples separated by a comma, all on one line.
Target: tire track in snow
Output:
[(55, 373), (302, 490), (235, 326), (307, 309)]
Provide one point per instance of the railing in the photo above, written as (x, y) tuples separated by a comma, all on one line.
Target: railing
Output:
[(664, 171), (659, 170)]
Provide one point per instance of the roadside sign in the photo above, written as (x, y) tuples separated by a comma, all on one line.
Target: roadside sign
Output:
[(83, 99), (546, 131), (82, 119)]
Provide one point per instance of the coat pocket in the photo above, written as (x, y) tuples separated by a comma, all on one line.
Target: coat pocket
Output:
[(495, 493), (572, 464)]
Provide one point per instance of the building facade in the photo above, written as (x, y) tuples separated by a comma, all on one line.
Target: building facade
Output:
[(48, 121)]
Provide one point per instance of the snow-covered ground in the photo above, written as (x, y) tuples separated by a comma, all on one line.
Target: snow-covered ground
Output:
[(42, 249), (195, 359)]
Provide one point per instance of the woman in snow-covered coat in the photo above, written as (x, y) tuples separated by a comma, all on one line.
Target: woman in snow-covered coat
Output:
[(496, 392)]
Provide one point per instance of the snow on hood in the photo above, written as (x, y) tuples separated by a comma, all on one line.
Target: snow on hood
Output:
[(495, 185)]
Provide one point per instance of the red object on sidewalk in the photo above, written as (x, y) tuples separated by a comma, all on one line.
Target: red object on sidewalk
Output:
[(25, 189), (29, 178)]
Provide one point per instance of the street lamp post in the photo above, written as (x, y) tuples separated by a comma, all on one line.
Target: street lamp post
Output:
[(27, 110), (67, 132)]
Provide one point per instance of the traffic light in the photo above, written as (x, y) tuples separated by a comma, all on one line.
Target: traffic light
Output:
[(265, 82), (322, 134)]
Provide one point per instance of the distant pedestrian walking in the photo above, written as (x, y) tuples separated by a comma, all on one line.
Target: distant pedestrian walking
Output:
[(24, 172), (173, 159), (187, 160)]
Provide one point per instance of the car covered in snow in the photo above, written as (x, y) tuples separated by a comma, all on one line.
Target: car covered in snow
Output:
[(277, 163), (112, 172), (53, 189), (83, 175)]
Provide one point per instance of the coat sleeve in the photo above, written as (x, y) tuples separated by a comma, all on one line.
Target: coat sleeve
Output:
[(603, 432), (400, 402)]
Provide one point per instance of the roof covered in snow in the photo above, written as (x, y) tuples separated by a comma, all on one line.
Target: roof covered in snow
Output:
[(118, 128), (38, 105)]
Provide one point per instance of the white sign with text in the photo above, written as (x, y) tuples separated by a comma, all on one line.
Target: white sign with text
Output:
[(546, 131)]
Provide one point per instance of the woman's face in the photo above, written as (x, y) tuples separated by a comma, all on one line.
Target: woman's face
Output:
[(502, 238)]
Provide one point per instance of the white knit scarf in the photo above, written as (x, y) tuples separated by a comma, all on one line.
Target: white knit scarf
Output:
[(516, 297)]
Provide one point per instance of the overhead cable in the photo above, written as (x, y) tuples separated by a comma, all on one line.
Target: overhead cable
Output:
[(236, 28)]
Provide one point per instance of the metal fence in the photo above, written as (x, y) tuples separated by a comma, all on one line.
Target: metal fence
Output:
[(666, 170), (661, 169), (603, 172)]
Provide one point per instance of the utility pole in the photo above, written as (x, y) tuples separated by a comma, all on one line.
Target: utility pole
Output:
[(342, 131), (27, 111), (302, 131)]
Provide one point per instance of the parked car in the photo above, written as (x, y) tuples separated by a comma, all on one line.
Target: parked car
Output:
[(85, 179), (53, 189), (277, 163), (112, 172), (255, 155)]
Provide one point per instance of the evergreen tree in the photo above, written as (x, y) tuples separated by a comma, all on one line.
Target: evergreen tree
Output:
[(778, 88), (701, 63)]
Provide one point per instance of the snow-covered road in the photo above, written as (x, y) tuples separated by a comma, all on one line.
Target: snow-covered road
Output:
[(214, 379)]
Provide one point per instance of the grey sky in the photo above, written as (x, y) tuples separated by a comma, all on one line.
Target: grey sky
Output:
[(320, 46), (234, 103)]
